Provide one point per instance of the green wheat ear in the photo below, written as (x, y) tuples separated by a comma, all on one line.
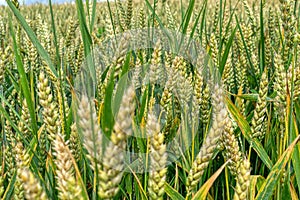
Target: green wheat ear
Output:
[(48, 152), (113, 158), (211, 141), (158, 158)]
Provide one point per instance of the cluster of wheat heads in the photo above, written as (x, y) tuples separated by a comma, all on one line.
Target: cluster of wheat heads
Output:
[(218, 128)]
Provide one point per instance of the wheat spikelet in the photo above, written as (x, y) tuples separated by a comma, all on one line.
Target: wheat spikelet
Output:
[(205, 105), (228, 75), (122, 14), (158, 159), (232, 150), (24, 121), (288, 23), (79, 57), (120, 55), (250, 14), (211, 141), (74, 142), (171, 24), (50, 114), (272, 25), (216, 17), (71, 33), (129, 14), (32, 188), (258, 127), (156, 70), (214, 49), (9, 150), (111, 173), (22, 160), (280, 88), (242, 181), (89, 127), (66, 184)]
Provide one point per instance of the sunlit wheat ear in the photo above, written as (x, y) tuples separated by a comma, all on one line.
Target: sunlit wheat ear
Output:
[(50, 114), (215, 16), (231, 147), (9, 150), (272, 25), (113, 159), (228, 75), (211, 141), (1, 182), (66, 183), (71, 32), (205, 104), (90, 130), (158, 158), (259, 123), (22, 161), (32, 188), (156, 72), (197, 91), (289, 28), (129, 14), (74, 142), (170, 19), (24, 122), (250, 15), (280, 88), (214, 49), (12, 99), (242, 181), (122, 14)]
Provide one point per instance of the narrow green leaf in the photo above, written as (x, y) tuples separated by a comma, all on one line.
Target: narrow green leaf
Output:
[(107, 114), (271, 181), (226, 52), (172, 193), (245, 128), (10, 188), (42, 52), (203, 191), (24, 82), (296, 154), (187, 17)]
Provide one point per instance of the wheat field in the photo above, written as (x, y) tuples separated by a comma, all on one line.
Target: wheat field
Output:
[(162, 99)]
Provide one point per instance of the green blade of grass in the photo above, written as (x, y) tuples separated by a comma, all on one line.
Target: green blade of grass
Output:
[(24, 83), (187, 17), (172, 193), (107, 115), (271, 181), (245, 128), (203, 191), (226, 52), (10, 188), (296, 154), (86, 38), (42, 52)]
